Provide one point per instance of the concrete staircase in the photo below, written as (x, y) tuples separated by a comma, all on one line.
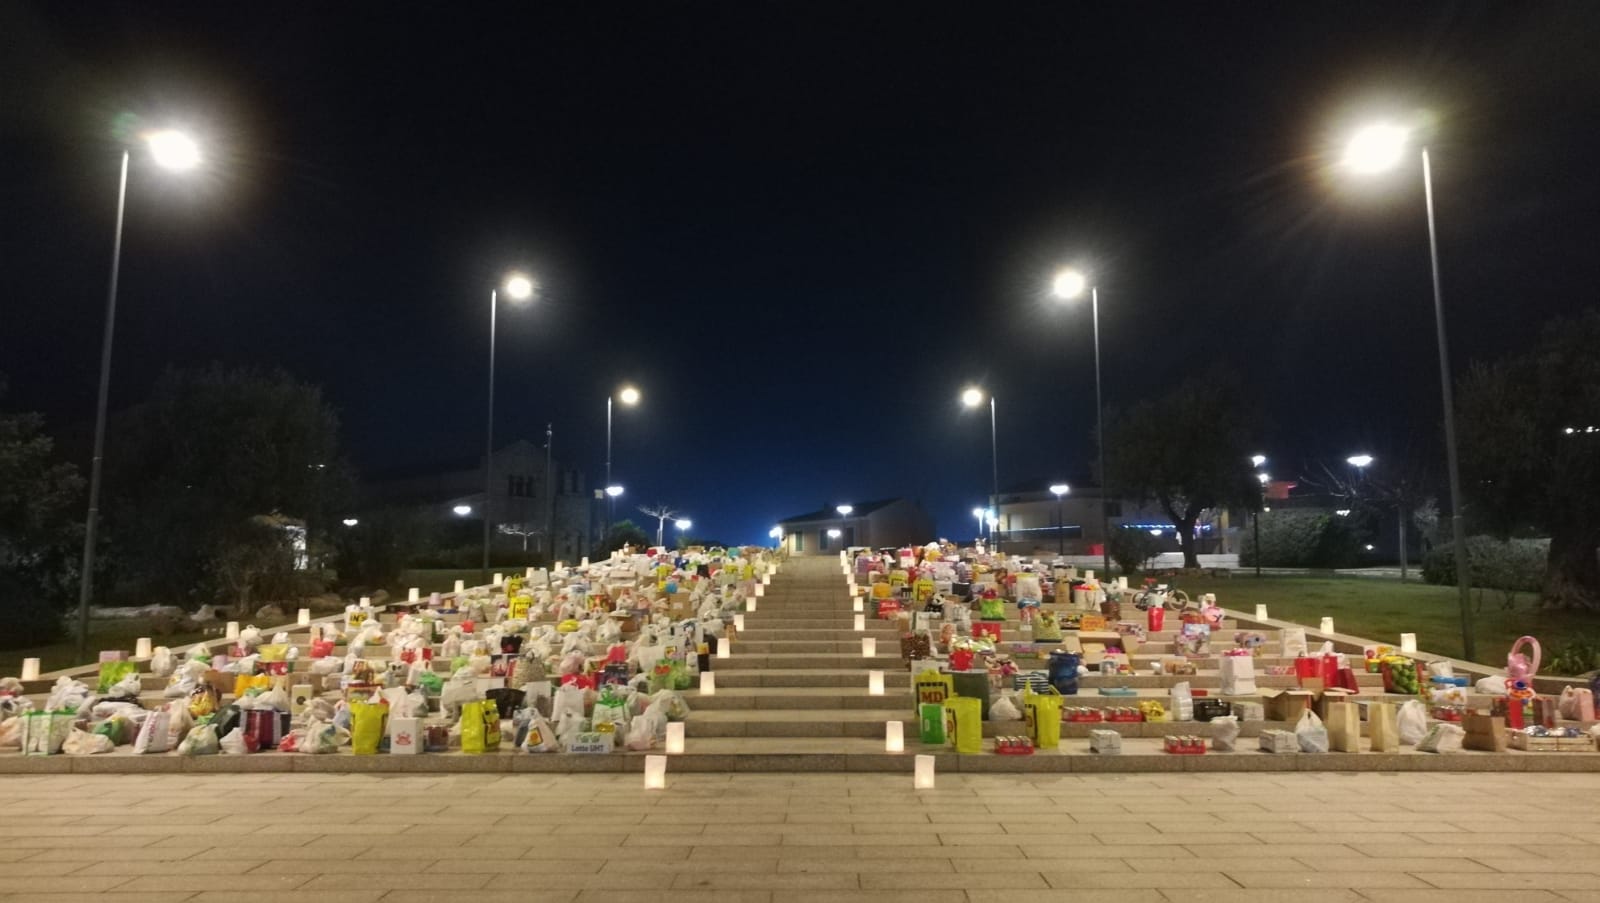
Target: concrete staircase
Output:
[(797, 673)]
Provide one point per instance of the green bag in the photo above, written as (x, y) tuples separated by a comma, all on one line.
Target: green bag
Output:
[(932, 715), (431, 683), (118, 728), (111, 672), (1046, 626), (992, 609)]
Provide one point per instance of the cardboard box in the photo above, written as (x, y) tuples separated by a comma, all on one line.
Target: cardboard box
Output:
[(1105, 742), (1331, 697), (1288, 705), (1484, 732), (1278, 741)]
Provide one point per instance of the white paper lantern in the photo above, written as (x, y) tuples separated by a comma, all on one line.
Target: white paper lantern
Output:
[(461, 586), (232, 630), (1327, 625), (1122, 583), (875, 683), (724, 648), (1261, 612), (708, 683), (655, 772), (675, 738), (413, 594), (304, 620), (141, 647), (1088, 575), (1408, 642), (738, 621), (869, 647), (527, 574), (858, 605), (30, 669), (366, 601), (585, 562), (761, 590), (894, 739), (749, 605), (861, 622), (766, 579), (923, 779)]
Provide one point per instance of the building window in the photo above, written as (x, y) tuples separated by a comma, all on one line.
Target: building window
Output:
[(1114, 509)]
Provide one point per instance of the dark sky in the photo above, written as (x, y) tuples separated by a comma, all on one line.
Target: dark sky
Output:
[(800, 228)]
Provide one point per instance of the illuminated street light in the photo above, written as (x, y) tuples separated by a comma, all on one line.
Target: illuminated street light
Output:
[(613, 491), (170, 150), (1257, 460), (1067, 285), (1263, 479), (520, 288), (629, 396), (1373, 149), (845, 510), (684, 524), (462, 510), (1059, 490), (972, 397), (834, 533), (350, 522), (1358, 460)]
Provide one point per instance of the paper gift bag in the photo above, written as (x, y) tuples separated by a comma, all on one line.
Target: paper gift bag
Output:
[(933, 687), (1294, 642), (1382, 728), (405, 736), (1344, 727), (1238, 675)]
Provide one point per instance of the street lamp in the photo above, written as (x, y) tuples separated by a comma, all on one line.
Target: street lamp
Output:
[(1059, 490), (613, 491), (1358, 461), (844, 512), (777, 535), (171, 150), (1377, 148), (1068, 285), (519, 288), (1257, 460), (462, 510), (350, 522), (978, 513), (629, 396), (973, 397), (682, 525), (1263, 479)]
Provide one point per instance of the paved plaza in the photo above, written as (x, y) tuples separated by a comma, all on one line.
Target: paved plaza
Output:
[(777, 838)]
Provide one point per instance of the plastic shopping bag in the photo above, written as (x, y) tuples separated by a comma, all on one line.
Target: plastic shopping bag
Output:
[(1412, 722), (112, 672), (368, 723), (1224, 733), (83, 743), (1311, 734), (1442, 737), (480, 727), (964, 723), (200, 741)]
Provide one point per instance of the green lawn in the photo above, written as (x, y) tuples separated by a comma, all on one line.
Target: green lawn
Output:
[(105, 634), (1383, 609)]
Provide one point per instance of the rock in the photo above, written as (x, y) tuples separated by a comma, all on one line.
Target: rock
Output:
[(270, 614)]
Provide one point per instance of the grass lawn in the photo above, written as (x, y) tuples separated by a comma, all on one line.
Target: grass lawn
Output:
[(1383, 609), (110, 633), (443, 580)]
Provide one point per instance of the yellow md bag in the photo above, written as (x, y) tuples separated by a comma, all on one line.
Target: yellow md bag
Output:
[(963, 718), (1043, 714)]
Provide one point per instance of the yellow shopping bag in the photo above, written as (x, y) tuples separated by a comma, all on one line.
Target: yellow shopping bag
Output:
[(1042, 711), (244, 683), (963, 717), (932, 687), (480, 727), (368, 724)]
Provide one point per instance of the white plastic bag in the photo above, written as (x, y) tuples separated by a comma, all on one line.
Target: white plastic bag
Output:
[(568, 701), (200, 741), (83, 743), (1182, 702), (155, 734), (126, 688), (1004, 709), (1491, 686), (67, 695), (1224, 733), (1412, 722), (1311, 734), (541, 737), (162, 662), (179, 720), (11, 733), (233, 744), (1442, 737)]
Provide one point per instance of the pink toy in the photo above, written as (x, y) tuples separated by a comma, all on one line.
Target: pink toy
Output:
[(1518, 668)]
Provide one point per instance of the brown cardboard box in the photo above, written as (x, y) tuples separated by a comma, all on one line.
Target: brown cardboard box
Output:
[(1288, 705), (1485, 732), (1344, 726), (1330, 697)]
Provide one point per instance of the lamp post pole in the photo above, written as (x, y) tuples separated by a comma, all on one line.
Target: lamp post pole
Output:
[(605, 535), (1100, 433), (488, 440), (994, 463)]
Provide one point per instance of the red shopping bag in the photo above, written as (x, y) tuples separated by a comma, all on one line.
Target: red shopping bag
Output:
[(990, 629), (321, 648), (263, 728)]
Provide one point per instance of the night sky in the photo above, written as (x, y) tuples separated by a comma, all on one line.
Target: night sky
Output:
[(799, 228)]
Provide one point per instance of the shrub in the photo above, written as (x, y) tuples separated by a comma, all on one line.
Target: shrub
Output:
[(1511, 566), (29, 619), (1578, 656), (1132, 548), (1302, 538)]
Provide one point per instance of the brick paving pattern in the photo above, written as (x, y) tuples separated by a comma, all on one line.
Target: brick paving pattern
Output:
[(780, 838)]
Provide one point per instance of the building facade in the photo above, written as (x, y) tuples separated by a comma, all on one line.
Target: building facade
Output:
[(879, 524), (1036, 520)]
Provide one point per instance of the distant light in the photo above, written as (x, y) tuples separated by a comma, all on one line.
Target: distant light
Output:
[(1343, 512), (775, 533), (1155, 532), (173, 150), (462, 510), (351, 522), (977, 512), (972, 397), (1376, 148), (1263, 479), (1569, 431), (1265, 508), (629, 395), (1358, 460), (613, 491), (1257, 460), (845, 510), (519, 287), (684, 523), (1060, 489), (1069, 284), (834, 533), (1370, 547), (325, 467)]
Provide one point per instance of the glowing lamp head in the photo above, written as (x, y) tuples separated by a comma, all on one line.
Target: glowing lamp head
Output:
[(977, 512), (1376, 148), (1069, 284), (462, 510), (351, 522), (834, 533), (628, 396), (1257, 460), (685, 524), (1358, 460), (1263, 479), (845, 510), (972, 397), (1060, 489), (775, 533), (173, 150), (613, 491), (519, 287)]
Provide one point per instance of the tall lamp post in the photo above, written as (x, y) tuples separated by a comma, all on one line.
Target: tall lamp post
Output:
[(1059, 490), (1263, 479), (979, 513), (973, 397), (519, 288), (174, 151), (1374, 149), (1070, 284), (844, 512), (630, 397)]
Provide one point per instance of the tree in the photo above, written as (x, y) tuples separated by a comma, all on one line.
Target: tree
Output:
[(1399, 484), (1189, 450), (662, 514), (1132, 549), (1530, 452), (190, 468), (624, 533), (39, 530)]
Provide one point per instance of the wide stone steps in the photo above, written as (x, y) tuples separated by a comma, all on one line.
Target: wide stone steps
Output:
[(796, 678), (779, 698)]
